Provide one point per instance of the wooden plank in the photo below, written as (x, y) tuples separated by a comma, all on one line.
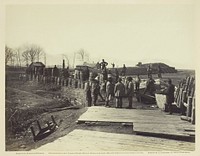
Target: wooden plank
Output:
[(162, 129), (97, 113), (85, 140), (143, 120)]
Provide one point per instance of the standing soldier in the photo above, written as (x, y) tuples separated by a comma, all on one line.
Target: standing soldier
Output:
[(109, 91), (88, 93), (149, 71), (130, 91), (137, 83), (55, 73), (119, 93), (103, 64), (123, 73), (150, 86), (170, 95), (95, 89), (113, 65), (98, 65)]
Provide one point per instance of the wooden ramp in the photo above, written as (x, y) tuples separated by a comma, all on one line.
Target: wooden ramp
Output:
[(84, 140), (145, 122)]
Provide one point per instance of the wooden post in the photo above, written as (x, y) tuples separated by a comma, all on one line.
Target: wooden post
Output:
[(184, 96), (67, 82), (39, 125), (32, 130), (179, 98), (53, 119), (82, 85), (70, 82), (75, 83), (193, 111), (189, 108)]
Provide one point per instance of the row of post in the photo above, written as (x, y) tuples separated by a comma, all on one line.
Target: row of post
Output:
[(185, 99), (69, 82)]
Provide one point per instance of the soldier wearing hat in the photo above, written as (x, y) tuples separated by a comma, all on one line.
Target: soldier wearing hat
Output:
[(130, 91)]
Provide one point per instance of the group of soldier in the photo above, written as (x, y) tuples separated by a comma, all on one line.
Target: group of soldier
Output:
[(111, 87), (108, 90)]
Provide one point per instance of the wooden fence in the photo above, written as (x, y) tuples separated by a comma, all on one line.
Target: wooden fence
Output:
[(185, 98)]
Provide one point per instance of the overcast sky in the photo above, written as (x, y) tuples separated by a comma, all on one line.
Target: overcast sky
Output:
[(120, 33)]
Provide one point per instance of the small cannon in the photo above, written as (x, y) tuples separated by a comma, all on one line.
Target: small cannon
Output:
[(44, 132)]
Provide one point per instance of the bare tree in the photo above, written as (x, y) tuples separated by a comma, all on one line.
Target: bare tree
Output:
[(18, 56), (84, 55), (25, 57), (39, 52), (8, 54), (67, 58), (32, 53)]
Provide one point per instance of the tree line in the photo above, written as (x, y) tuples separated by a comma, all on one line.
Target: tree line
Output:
[(23, 55), (29, 53)]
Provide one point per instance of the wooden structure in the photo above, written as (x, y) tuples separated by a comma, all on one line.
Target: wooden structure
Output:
[(44, 132), (147, 122), (184, 99), (101, 142)]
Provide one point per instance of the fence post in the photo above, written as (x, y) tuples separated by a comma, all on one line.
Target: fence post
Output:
[(193, 111), (189, 106)]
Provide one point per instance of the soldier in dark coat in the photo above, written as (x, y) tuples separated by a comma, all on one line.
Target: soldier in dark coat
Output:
[(149, 71), (55, 74), (95, 90), (123, 72), (103, 64), (169, 92), (88, 93), (150, 86)]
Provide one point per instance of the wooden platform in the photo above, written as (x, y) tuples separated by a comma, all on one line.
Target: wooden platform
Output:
[(84, 140), (146, 122)]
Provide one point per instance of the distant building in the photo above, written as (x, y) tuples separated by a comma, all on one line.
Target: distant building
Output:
[(141, 69), (35, 68), (36, 65)]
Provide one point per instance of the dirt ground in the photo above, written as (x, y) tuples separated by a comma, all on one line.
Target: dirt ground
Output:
[(29, 101)]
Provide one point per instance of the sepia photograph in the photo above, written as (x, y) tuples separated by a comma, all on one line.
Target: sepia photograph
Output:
[(100, 77)]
